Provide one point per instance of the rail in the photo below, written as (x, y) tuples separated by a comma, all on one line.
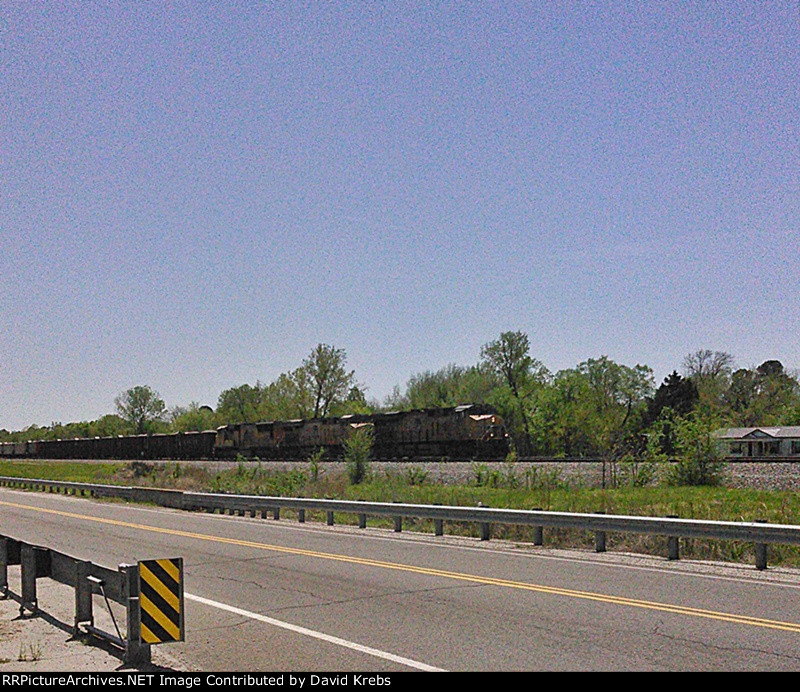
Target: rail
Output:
[(761, 534)]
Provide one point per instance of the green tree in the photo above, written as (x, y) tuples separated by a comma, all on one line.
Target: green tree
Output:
[(109, 425), (287, 397), (676, 392), (324, 375), (449, 386), (710, 371), (240, 404), (141, 407), (597, 408), (766, 395), (509, 358), (354, 403), (192, 418)]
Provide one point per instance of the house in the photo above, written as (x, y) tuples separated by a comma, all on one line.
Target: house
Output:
[(776, 441)]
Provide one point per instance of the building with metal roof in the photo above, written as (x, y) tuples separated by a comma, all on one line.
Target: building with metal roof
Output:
[(771, 441)]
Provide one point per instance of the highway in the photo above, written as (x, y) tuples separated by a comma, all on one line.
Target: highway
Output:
[(266, 595)]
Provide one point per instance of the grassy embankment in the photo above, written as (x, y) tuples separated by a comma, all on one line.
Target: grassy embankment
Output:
[(505, 489)]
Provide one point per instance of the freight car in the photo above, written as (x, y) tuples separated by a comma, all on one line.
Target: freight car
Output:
[(190, 445), (471, 431)]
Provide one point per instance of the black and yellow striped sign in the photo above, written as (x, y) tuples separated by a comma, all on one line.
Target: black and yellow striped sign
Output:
[(161, 601)]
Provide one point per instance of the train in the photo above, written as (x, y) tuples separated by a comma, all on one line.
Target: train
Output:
[(470, 431)]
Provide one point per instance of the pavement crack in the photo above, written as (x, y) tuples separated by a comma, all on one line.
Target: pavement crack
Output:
[(718, 647), (389, 594)]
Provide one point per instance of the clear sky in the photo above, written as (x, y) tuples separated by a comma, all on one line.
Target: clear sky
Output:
[(194, 194)]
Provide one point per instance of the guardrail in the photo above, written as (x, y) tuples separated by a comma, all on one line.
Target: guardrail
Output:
[(673, 528), (87, 578)]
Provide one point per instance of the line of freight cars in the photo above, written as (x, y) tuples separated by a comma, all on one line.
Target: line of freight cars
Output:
[(471, 431)]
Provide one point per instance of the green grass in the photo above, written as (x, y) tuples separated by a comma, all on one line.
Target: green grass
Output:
[(77, 472), (546, 492)]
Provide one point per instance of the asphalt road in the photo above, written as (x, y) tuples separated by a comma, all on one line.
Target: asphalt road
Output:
[(265, 595)]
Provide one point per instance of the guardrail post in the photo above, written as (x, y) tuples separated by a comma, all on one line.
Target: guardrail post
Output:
[(301, 516), (4, 565), (83, 595), (761, 551), (398, 521), (486, 527), (28, 567), (362, 521), (438, 524), (673, 549), (276, 513), (600, 538), (135, 651), (330, 518), (538, 531)]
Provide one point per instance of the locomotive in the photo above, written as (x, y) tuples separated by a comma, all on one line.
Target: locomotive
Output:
[(471, 431)]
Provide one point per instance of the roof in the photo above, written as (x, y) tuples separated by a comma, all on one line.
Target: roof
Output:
[(786, 431)]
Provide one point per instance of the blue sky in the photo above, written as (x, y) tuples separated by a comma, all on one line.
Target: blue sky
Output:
[(196, 194)]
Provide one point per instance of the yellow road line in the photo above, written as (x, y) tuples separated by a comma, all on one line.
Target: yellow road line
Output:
[(427, 571)]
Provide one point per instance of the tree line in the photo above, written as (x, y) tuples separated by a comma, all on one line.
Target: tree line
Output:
[(599, 408)]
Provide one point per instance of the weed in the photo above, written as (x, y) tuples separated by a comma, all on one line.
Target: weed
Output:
[(33, 652), (416, 476), (357, 452), (314, 464)]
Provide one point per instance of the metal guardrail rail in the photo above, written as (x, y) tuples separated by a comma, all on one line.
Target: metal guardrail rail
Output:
[(673, 528), (88, 579)]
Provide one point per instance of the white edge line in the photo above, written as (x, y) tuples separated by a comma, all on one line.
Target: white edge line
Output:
[(317, 635)]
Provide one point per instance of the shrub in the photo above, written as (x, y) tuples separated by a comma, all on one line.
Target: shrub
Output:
[(699, 459), (314, 464), (357, 452)]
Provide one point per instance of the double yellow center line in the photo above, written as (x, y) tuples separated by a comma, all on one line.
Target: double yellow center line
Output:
[(428, 571)]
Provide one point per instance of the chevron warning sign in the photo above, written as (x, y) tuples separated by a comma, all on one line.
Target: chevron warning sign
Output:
[(161, 601)]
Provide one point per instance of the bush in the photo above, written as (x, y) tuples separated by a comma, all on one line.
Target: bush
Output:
[(314, 463), (699, 459), (357, 453)]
